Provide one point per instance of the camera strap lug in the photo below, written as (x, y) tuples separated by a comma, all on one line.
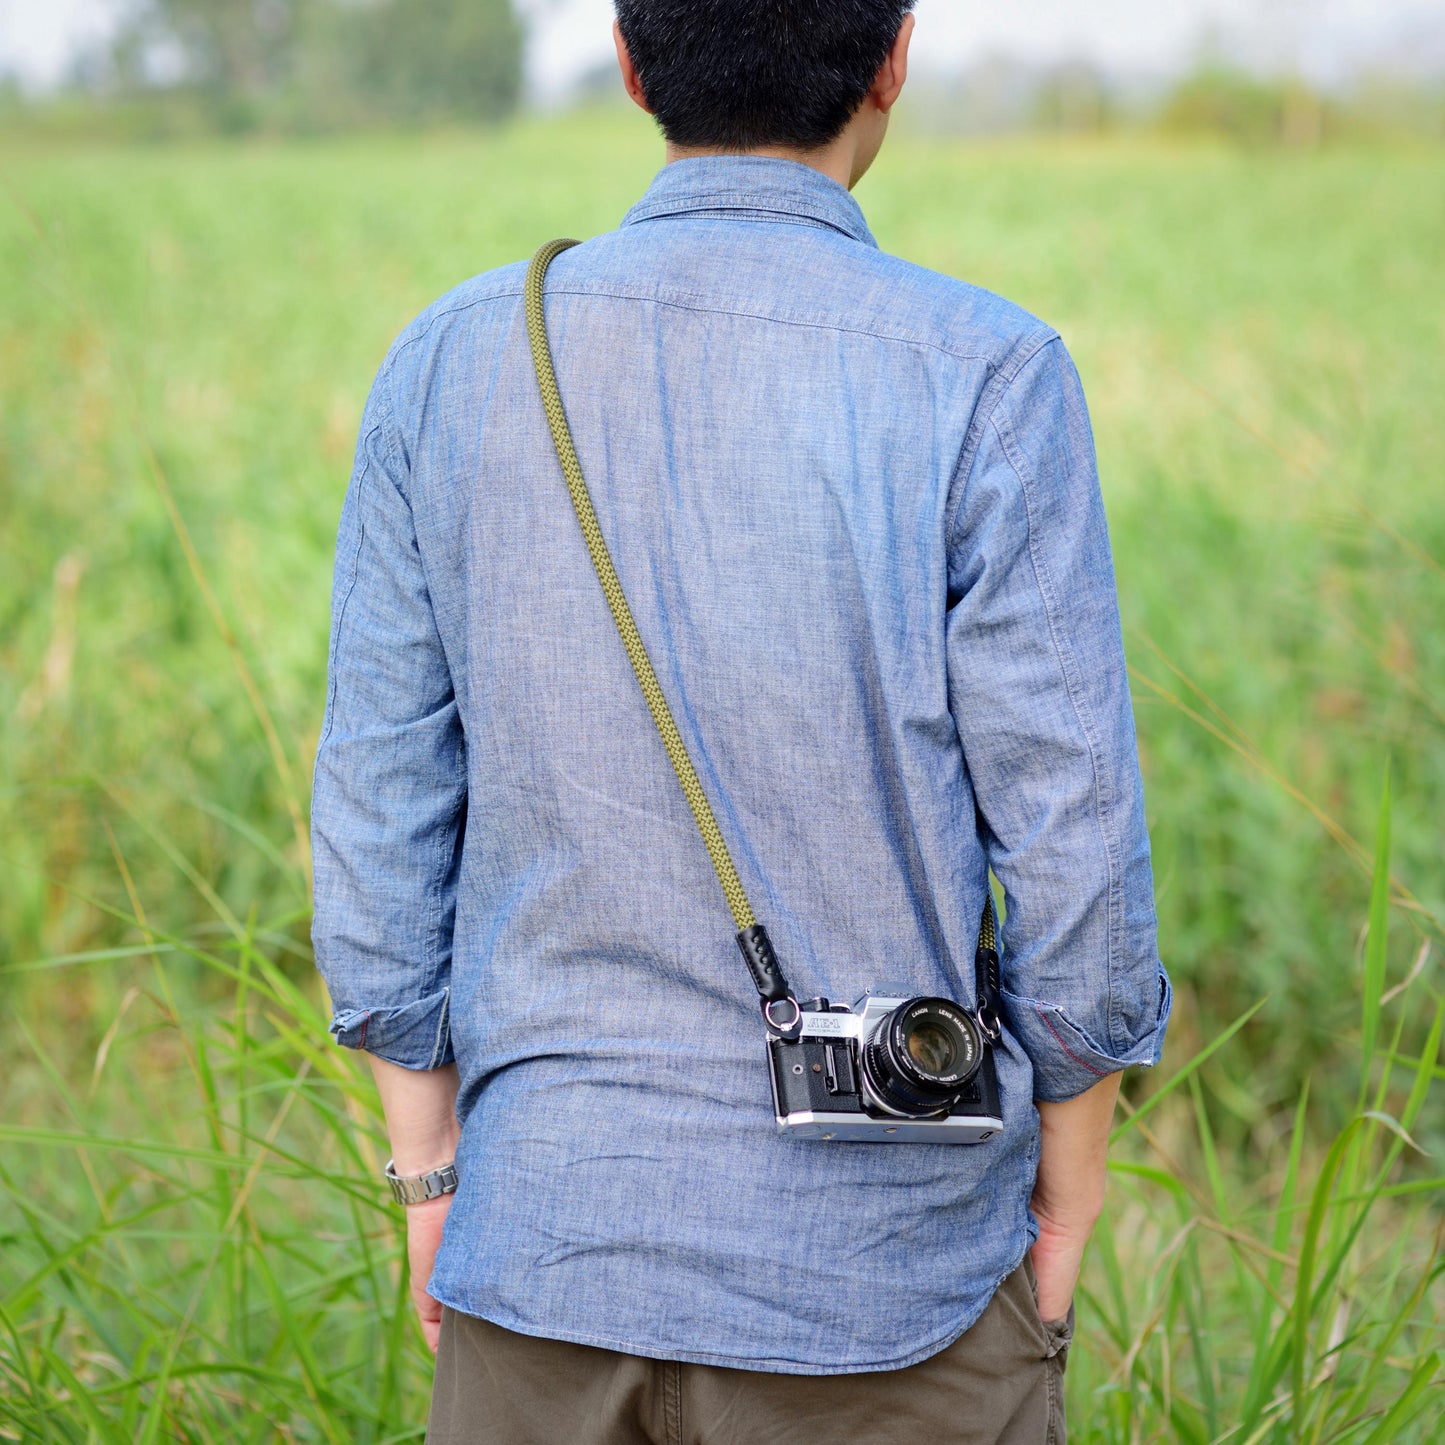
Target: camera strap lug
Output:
[(988, 1023)]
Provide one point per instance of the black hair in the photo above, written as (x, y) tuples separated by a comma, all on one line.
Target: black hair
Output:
[(740, 74)]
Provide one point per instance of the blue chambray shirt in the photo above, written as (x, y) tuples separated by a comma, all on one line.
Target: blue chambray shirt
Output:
[(854, 506)]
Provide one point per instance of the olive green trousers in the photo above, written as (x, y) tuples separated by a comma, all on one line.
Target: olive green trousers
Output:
[(999, 1383)]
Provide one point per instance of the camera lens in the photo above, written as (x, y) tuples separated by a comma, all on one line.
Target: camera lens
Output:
[(931, 1048), (921, 1057)]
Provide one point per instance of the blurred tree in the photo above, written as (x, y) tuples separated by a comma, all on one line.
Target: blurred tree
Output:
[(308, 64), (232, 47), (432, 59), (1072, 97), (1227, 101)]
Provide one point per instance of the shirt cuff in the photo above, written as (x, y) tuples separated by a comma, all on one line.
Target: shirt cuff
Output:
[(1065, 1059), (416, 1036)]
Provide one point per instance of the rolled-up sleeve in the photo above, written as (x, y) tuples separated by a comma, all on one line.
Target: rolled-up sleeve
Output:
[(389, 797), (1038, 689)]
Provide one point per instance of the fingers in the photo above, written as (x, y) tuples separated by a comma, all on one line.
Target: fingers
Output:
[(1054, 1301), (429, 1312), (1056, 1294), (1056, 1260), (425, 1222)]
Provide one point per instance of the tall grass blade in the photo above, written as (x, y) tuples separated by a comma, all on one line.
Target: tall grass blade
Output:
[(1410, 1403), (1375, 950), (1154, 1100), (1303, 1308)]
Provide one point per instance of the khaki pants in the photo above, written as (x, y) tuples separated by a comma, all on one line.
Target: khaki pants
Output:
[(999, 1383)]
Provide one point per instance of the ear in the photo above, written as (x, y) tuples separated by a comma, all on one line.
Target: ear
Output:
[(630, 82), (888, 83)]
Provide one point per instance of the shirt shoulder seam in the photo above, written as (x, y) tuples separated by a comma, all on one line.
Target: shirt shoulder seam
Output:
[(995, 389), (808, 323), (1008, 367)]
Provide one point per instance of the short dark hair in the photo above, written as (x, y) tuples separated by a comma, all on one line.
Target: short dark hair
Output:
[(739, 74)]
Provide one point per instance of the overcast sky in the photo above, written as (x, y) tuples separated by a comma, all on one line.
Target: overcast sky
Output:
[(37, 37)]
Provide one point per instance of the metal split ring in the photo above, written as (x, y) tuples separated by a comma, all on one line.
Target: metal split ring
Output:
[(791, 1024)]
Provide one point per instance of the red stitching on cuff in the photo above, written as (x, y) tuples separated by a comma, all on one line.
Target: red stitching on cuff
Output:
[(1083, 1063), (361, 1043)]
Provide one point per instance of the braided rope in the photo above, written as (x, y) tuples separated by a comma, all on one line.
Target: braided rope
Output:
[(717, 848), (607, 574), (987, 931)]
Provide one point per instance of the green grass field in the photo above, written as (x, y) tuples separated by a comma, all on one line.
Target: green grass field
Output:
[(193, 1245)]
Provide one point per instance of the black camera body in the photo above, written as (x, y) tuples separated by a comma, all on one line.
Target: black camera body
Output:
[(895, 1068)]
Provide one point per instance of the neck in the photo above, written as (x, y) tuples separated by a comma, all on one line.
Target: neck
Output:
[(838, 159)]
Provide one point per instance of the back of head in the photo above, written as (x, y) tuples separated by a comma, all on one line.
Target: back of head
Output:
[(742, 75)]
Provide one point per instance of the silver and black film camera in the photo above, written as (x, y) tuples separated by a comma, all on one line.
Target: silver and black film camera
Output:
[(894, 1069), (891, 1068)]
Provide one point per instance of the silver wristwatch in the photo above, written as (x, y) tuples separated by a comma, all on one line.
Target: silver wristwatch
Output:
[(415, 1188)]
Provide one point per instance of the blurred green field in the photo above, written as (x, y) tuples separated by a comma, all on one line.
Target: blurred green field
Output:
[(193, 1246)]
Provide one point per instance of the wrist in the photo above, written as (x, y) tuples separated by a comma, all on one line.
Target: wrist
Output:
[(422, 1188), (1069, 1199), (1076, 1223), (425, 1208), (1070, 1204), (413, 1155), (421, 1119)]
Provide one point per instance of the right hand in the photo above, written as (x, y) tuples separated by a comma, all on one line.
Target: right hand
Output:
[(423, 1235), (421, 1120)]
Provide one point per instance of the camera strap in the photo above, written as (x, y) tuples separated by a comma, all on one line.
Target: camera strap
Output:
[(774, 993)]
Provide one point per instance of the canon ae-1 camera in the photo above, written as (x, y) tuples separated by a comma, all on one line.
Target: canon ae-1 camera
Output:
[(894, 1068)]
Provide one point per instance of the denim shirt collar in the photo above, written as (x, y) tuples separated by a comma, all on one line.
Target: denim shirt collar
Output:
[(760, 186)]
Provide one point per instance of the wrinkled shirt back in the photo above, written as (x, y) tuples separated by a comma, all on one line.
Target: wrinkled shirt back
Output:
[(853, 505)]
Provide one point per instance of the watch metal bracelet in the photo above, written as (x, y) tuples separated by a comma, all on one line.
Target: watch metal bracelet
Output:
[(417, 1188)]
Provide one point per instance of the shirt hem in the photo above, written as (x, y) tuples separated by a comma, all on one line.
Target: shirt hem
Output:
[(769, 1365)]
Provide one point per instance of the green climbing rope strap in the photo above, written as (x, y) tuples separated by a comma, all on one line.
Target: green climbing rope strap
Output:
[(622, 614), (717, 848)]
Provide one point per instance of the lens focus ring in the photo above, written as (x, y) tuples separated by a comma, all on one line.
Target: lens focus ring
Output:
[(922, 1056)]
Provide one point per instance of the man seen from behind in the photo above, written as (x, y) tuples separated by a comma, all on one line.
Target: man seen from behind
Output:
[(854, 509)]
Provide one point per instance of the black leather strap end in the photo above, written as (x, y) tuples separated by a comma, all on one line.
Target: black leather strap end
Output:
[(763, 964), (990, 1005), (986, 964)]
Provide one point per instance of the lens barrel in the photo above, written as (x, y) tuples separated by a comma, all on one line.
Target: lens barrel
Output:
[(921, 1057)]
